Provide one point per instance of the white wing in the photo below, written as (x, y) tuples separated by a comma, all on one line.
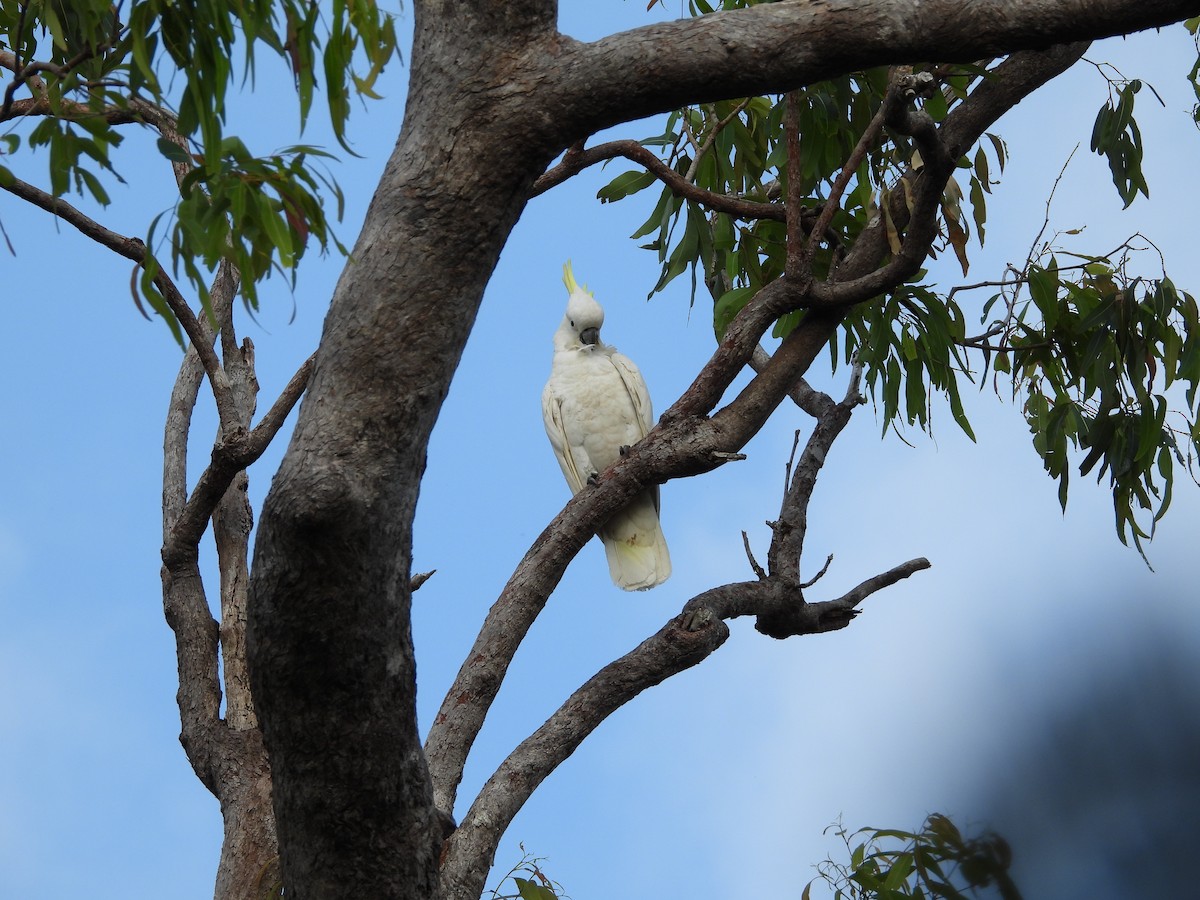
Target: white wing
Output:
[(635, 384), (557, 432), (639, 396)]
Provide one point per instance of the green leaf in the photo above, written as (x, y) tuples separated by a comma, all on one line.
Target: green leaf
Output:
[(173, 151), (623, 185), (728, 306), (530, 890)]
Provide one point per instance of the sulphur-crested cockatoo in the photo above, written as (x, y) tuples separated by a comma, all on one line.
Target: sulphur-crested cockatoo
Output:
[(594, 405)]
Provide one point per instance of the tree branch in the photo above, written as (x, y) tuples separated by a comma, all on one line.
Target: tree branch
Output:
[(861, 592), (576, 159), (682, 643), (860, 277), (801, 393), (899, 92), (776, 47), (796, 258), (230, 456), (133, 249), (185, 605), (684, 443), (685, 641), (789, 530), (232, 521), (23, 72)]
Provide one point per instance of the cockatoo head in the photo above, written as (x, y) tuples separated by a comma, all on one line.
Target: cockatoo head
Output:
[(581, 325)]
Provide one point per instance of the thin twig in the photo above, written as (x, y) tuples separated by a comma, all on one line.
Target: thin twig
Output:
[(758, 570), (577, 159), (711, 139), (819, 575), (853, 161), (787, 469)]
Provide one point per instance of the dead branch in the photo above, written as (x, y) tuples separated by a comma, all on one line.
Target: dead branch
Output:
[(758, 570), (685, 641), (789, 530)]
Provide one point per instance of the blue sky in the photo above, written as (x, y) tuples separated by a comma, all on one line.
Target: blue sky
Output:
[(718, 783)]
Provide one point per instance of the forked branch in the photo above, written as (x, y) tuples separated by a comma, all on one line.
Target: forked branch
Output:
[(691, 438), (789, 530), (685, 641)]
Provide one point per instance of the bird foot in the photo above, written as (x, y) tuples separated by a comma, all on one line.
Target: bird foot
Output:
[(623, 450), (594, 479)]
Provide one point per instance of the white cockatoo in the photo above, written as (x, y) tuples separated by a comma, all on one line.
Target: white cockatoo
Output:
[(595, 405)]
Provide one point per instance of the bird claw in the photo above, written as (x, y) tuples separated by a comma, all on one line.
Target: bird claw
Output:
[(623, 450), (594, 479)]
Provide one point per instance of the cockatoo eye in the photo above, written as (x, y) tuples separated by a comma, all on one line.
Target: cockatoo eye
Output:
[(572, 323)]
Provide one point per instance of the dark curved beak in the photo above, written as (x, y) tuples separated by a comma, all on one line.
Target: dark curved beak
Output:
[(590, 335)]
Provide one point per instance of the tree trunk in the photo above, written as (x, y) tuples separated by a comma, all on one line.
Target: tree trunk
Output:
[(332, 665)]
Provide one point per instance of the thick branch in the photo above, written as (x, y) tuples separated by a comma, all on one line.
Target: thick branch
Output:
[(775, 47), (682, 643)]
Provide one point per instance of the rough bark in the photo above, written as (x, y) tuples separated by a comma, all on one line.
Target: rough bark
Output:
[(494, 96), (332, 662), (226, 752)]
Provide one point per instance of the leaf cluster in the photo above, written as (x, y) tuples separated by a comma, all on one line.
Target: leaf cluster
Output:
[(937, 861), (1101, 354), (258, 212), (1096, 351), (739, 149), (90, 67), (1117, 138)]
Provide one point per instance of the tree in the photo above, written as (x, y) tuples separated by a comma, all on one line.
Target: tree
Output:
[(327, 602)]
